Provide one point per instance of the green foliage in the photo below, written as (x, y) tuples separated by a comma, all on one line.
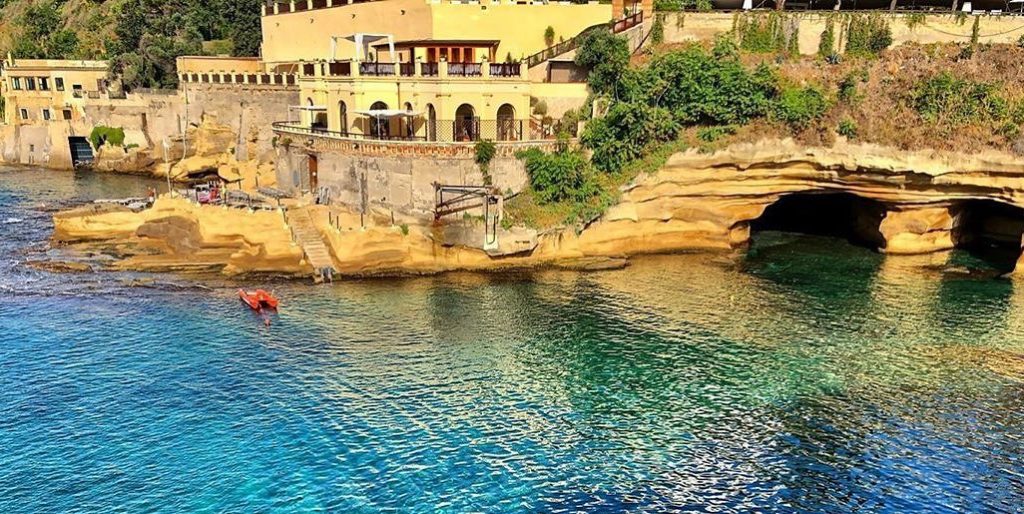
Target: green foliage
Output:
[(625, 133), (549, 36), (1020, 41), (953, 101), (41, 34), (404, 228), (712, 134), (102, 135), (767, 33), (975, 31), (606, 56), (799, 107), (484, 152), (681, 88), (847, 128), (848, 86), (915, 19), (564, 175), (867, 35), (827, 43), (658, 30)]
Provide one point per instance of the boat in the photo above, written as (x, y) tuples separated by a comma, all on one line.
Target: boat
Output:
[(258, 300)]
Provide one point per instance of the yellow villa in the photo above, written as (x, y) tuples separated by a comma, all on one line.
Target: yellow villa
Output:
[(38, 91)]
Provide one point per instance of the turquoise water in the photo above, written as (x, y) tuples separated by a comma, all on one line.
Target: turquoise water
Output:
[(806, 376)]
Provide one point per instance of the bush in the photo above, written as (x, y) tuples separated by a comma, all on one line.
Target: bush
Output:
[(625, 133), (867, 35), (560, 176), (827, 43), (798, 107), (950, 100), (766, 33), (484, 152), (847, 128), (712, 134), (102, 135), (658, 30), (848, 86)]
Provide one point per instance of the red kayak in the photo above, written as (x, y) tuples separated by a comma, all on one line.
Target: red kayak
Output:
[(258, 300)]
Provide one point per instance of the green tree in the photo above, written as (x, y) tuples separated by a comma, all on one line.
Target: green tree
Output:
[(606, 56)]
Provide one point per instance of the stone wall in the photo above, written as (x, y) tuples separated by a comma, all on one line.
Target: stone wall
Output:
[(154, 121), (394, 175), (936, 28)]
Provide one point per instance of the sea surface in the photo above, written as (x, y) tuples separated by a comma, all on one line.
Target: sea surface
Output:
[(807, 375)]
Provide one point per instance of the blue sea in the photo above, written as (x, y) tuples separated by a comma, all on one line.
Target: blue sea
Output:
[(806, 375)]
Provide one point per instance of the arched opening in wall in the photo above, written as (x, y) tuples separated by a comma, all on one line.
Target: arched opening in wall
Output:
[(840, 215), (467, 125), (409, 122), (343, 118), (431, 123), (380, 127), (507, 129), (991, 231)]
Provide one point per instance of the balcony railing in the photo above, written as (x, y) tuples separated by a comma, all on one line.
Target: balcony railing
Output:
[(377, 69), (466, 130), (465, 69), (505, 70)]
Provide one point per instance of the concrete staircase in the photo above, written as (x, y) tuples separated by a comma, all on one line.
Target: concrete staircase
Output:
[(304, 233)]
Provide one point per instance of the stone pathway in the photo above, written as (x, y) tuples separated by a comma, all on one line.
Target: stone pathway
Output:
[(308, 237)]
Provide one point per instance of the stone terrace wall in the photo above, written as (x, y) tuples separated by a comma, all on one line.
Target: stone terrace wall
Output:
[(936, 28), (398, 175), (249, 109)]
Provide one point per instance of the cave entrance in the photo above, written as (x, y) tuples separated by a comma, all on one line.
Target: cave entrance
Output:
[(841, 215), (990, 231)]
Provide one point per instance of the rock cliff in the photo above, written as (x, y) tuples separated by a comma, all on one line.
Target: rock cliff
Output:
[(899, 202)]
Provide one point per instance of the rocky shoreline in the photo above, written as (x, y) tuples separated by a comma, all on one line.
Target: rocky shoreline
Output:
[(919, 204)]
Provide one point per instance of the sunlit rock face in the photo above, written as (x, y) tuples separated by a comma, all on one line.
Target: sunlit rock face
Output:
[(907, 202)]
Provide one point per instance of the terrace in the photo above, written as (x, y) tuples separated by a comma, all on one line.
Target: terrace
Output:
[(350, 69)]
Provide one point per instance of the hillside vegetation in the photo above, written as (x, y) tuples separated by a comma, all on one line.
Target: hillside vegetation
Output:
[(142, 38), (751, 85)]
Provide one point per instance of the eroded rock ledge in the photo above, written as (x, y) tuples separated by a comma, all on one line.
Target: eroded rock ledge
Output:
[(900, 202)]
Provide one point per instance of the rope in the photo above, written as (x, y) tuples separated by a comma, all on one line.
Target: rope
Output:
[(994, 34)]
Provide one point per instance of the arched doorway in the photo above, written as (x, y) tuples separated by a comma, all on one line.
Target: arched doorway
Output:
[(431, 123), (380, 127), (467, 125), (507, 127), (343, 118), (410, 122)]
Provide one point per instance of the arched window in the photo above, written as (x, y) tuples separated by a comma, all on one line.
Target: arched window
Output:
[(343, 118), (380, 127), (410, 122), (508, 129), (431, 123), (467, 125)]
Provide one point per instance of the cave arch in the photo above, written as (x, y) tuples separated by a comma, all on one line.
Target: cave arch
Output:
[(990, 230), (826, 213)]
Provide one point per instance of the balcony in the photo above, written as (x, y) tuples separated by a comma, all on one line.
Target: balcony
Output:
[(467, 130), (442, 69)]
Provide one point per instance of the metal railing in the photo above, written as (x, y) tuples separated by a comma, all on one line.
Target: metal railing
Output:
[(466, 130), (377, 69), (505, 69), (465, 69)]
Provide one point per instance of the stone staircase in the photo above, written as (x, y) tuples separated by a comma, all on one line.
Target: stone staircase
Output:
[(305, 234)]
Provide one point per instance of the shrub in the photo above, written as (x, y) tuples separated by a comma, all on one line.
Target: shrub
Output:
[(559, 176), (867, 35), (848, 86), (827, 43), (798, 107), (658, 30), (102, 135), (766, 33), (950, 100), (1020, 41), (549, 36), (484, 152), (405, 229), (712, 134), (625, 133), (847, 128)]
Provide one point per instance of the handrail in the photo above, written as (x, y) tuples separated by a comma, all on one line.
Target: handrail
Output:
[(564, 46)]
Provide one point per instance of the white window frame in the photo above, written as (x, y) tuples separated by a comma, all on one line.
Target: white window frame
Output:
[(46, 114), (23, 112)]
